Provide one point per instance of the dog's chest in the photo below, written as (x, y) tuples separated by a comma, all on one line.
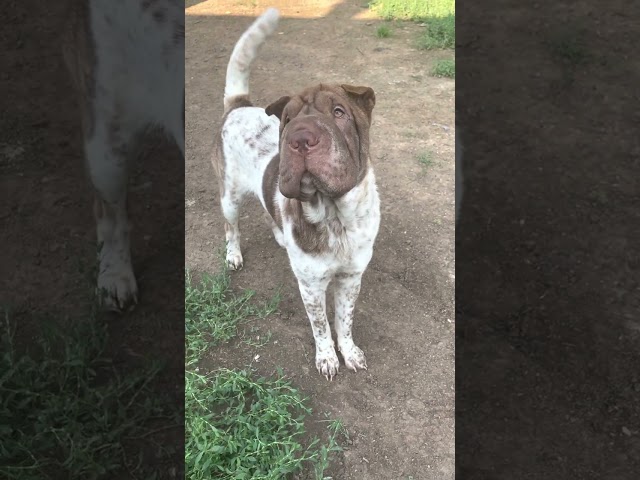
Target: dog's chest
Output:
[(347, 239), (342, 241)]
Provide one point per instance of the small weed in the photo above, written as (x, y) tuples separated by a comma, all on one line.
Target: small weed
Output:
[(599, 197), (444, 68), (383, 31), (570, 50), (440, 33), (258, 341), (336, 429), (426, 160)]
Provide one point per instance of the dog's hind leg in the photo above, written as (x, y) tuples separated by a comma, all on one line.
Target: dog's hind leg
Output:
[(230, 203)]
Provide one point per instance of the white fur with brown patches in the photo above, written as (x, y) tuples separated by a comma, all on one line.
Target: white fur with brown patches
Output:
[(250, 140), (137, 82), (357, 214)]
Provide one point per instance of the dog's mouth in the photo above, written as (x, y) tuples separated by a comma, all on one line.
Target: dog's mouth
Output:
[(303, 187), (309, 187)]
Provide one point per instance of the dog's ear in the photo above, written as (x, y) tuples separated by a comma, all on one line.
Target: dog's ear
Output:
[(364, 97), (277, 107)]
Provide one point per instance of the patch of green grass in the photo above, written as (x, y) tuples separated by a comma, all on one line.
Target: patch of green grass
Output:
[(212, 312), (413, 9), (444, 68), (440, 33), (438, 17), (426, 160), (383, 31), (239, 425), (66, 411)]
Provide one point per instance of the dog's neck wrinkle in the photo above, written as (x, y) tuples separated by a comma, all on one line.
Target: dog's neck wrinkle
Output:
[(346, 210), (356, 204)]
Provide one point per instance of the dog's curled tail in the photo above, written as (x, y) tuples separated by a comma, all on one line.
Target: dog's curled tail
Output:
[(245, 52)]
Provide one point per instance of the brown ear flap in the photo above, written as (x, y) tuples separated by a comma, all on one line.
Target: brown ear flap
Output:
[(277, 107), (364, 97)]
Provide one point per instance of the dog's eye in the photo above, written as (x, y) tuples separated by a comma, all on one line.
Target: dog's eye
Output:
[(338, 112), (286, 119)]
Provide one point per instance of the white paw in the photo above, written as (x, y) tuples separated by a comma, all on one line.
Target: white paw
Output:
[(117, 288), (234, 260), (353, 357), (327, 363)]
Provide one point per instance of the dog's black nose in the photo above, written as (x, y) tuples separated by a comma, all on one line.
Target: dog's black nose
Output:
[(302, 141)]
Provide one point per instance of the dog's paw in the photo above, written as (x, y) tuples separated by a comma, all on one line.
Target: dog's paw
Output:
[(234, 261), (354, 358), (327, 363), (117, 289)]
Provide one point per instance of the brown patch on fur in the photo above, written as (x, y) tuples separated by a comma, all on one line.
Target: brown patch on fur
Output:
[(269, 185), (312, 238), (264, 149), (235, 102), (218, 160), (79, 55), (160, 15), (262, 131)]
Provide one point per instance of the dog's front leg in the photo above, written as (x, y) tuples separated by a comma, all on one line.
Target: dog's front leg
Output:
[(106, 156), (314, 297), (347, 288)]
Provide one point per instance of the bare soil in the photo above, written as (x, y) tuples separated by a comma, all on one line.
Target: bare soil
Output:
[(400, 413), (548, 337)]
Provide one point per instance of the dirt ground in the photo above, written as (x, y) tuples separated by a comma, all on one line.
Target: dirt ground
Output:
[(547, 348), (47, 229), (400, 413)]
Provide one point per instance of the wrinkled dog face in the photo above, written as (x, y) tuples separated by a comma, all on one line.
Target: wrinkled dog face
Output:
[(324, 139)]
